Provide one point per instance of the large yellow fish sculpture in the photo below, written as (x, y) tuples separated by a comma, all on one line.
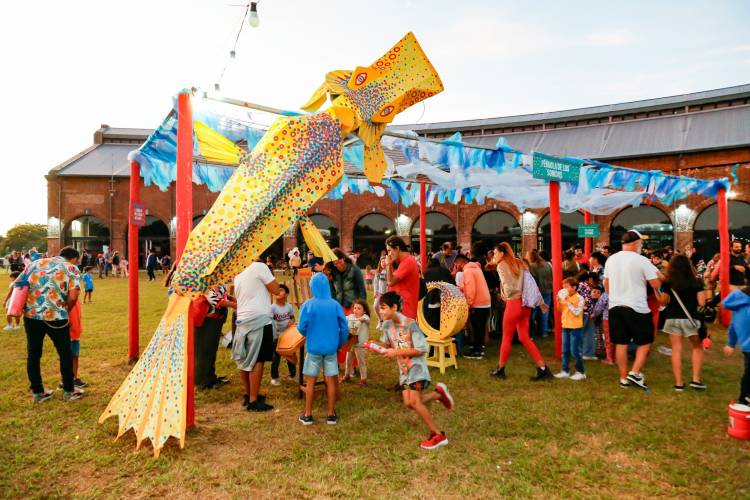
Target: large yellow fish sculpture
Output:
[(297, 162)]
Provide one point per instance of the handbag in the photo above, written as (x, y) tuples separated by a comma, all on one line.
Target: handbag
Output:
[(289, 342), (17, 302), (695, 324), (530, 295)]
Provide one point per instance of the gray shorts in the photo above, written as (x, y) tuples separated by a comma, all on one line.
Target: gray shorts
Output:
[(681, 327)]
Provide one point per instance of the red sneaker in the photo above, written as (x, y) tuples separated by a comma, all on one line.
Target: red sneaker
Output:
[(434, 441), (445, 395)]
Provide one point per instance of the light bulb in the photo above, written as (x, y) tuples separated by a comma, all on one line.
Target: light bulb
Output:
[(253, 20), (232, 54), (217, 87)]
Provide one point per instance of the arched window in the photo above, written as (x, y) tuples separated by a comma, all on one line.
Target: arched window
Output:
[(87, 233), (370, 234), (496, 226), (438, 230), (568, 231), (706, 230), (649, 221), (153, 235), (327, 228)]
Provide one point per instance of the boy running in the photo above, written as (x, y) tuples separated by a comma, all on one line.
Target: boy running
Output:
[(406, 343)]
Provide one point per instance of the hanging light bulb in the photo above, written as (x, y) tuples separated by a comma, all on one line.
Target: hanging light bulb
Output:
[(217, 88), (253, 20), (232, 54)]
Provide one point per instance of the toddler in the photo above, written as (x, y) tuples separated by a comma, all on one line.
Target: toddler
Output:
[(359, 333)]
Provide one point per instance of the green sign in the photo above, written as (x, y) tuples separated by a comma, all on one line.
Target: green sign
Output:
[(555, 169), (588, 230)]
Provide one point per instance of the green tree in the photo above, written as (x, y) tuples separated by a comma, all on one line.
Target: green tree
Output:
[(25, 236)]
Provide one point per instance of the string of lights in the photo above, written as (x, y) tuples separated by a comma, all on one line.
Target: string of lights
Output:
[(251, 15)]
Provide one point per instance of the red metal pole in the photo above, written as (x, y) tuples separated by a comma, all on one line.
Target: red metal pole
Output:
[(587, 241), (184, 188), (133, 326), (184, 209), (423, 225), (726, 316), (556, 237)]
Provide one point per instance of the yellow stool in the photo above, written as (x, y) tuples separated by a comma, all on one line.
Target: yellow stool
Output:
[(439, 357)]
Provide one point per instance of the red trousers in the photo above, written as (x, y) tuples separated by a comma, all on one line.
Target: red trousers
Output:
[(517, 317)]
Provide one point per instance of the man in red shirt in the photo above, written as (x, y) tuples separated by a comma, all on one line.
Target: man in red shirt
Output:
[(580, 257), (404, 280)]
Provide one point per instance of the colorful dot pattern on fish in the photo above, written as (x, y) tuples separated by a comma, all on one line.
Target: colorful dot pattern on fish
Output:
[(151, 400), (295, 164), (454, 311)]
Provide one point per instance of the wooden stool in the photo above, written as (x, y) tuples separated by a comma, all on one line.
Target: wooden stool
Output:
[(439, 357)]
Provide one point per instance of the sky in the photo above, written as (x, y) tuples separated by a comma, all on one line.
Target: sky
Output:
[(68, 67)]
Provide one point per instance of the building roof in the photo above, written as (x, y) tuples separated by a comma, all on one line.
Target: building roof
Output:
[(701, 121), (713, 119)]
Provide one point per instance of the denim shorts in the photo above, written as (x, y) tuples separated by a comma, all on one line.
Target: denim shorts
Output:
[(75, 348), (314, 362)]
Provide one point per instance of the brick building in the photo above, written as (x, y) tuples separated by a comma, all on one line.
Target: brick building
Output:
[(700, 135)]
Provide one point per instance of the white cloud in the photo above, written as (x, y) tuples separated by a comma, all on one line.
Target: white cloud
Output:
[(610, 38)]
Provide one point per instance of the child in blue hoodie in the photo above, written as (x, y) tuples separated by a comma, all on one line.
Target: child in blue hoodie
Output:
[(323, 323), (739, 332)]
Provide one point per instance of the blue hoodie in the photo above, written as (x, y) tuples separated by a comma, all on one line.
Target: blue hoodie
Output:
[(739, 330), (322, 320)]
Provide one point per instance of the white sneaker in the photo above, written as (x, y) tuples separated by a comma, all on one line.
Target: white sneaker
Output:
[(17, 327), (275, 381), (562, 375), (578, 376)]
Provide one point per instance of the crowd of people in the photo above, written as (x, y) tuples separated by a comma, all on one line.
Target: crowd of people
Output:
[(611, 307)]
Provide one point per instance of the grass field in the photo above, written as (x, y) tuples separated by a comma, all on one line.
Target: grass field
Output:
[(511, 438)]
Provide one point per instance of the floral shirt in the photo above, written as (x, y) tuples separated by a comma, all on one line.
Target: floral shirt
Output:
[(49, 281)]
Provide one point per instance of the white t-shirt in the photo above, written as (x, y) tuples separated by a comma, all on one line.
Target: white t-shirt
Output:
[(253, 298), (628, 274)]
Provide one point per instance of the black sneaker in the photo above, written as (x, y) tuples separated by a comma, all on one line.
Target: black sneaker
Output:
[(220, 381), (679, 388), (542, 374), (246, 400), (474, 355), (306, 419), (79, 383), (498, 373), (41, 397), (74, 395), (259, 406), (332, 419), (698, 385), (637, 379)]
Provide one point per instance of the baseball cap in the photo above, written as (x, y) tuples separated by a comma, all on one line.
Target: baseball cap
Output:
[(631, 236)]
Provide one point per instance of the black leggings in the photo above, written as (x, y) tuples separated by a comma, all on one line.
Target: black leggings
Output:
[(745, 382), (206, 341), (59, 332), (478, 317)]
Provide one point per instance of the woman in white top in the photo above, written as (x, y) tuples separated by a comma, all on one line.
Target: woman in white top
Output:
[(511, 271)]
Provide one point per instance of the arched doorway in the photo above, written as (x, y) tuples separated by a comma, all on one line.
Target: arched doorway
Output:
[(87, 233), (328, 229), (153, 235), (370, 233), (568, 231), (649, 221), (496, 226), (439, 229), (706, 230)]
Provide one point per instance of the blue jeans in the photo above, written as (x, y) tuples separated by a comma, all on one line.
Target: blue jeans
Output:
[(544, 316), (589, 337), (571, 345)]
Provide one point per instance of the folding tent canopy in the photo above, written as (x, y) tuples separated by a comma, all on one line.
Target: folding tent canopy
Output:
[(184, 149)]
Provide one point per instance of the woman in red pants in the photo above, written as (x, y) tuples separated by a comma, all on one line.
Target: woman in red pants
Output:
[(516, 315)]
